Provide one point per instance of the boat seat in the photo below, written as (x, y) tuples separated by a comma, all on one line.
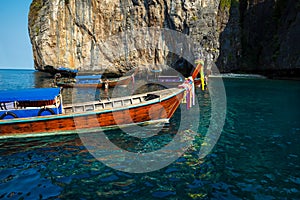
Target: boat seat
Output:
[(136, 100), (102, 99)]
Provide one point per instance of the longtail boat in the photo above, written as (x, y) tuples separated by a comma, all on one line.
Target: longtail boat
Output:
[(175, 80), (41, 112), (94, 81), (172, 80), (29, 117), (167, 80)]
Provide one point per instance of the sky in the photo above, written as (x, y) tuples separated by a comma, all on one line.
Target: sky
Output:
[(15, 46)]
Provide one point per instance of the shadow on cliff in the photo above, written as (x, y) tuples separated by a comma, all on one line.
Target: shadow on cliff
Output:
[(230, 40), (261, 37)]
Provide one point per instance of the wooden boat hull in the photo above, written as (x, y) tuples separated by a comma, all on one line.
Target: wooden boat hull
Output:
[(155, 110)]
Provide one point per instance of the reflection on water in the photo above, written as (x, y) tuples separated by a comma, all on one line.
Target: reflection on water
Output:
[(43, 80)]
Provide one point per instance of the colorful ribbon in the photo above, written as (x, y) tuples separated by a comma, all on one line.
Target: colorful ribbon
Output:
[(189, 87)]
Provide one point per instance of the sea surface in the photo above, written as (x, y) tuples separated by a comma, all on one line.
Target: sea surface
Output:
[(256, 157)]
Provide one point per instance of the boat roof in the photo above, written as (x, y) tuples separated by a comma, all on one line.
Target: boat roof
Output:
[(98, 76), (34, 94)]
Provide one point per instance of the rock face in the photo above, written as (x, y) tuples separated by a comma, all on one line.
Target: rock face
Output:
[(238, 35), (271, 34), (230, 36), (74, 34)]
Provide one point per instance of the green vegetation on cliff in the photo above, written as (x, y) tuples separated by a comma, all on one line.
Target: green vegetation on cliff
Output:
[(226, 4), (35, 7)]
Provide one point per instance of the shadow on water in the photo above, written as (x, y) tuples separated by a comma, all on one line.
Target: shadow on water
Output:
[(43, 79)]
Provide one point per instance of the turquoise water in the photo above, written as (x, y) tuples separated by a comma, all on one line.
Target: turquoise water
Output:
[(256, 157)]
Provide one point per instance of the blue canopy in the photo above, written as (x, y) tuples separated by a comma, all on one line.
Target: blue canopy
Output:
[(89, 76), (36, 94), (87, 81)]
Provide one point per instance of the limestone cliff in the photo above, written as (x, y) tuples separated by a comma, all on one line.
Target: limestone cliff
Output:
[(239, 35), (72, 33)]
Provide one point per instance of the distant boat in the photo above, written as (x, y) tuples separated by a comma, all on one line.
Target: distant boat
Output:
[(94, 81), (175, 80), (167, 80), (40, 111), (172, 81)]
